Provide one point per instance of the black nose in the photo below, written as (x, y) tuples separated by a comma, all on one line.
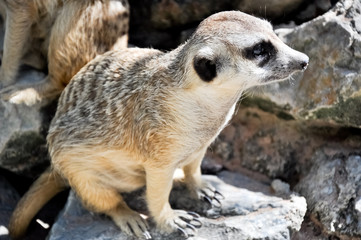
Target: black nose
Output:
[(304, 65)]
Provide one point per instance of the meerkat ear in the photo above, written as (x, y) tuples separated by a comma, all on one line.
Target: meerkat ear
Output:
[(205, 67)]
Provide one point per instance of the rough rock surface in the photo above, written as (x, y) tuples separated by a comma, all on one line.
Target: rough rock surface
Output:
[(265, 141), (333, 192), (245, 215), (330, 88), (22, 132)]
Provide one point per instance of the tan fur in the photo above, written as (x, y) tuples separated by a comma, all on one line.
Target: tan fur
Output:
[(131, 117), (66, 33), (40, 192)]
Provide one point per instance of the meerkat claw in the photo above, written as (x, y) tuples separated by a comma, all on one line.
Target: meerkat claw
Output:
[(211, 196), (198, 223), (182, 231), (217, 203), (147, 235), (214, 201), (194, 214), (185, 233), (187, 223), (191, 227), (216, 193), (207, 199)]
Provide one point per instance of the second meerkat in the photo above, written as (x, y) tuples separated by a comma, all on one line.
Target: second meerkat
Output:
[(62, 34), (130, 118)]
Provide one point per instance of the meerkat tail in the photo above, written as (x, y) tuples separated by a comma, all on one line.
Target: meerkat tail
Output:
[(42, 190)]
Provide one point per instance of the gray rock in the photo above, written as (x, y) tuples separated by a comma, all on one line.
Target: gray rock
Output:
[(22, 132), (270, 143), (329, 90), (243, 181), (8, 199), (280, 188), (244, 215), (333, 192)]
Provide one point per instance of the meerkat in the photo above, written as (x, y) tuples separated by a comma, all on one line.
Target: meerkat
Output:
[(66, 33), (131, 117)]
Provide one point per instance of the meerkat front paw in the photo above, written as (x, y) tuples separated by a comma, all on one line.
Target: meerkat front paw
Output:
[(184, 222), (19, 95), (209, 194)]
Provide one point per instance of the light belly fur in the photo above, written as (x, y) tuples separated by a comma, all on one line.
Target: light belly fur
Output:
[(108, 168)]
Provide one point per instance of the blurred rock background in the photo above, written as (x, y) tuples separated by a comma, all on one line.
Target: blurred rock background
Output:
[(302, 135)]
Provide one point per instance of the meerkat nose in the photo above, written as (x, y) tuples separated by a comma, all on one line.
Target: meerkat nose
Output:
[(304, 63)]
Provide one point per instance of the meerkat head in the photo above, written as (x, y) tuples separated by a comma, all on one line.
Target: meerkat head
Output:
[(235, 49)]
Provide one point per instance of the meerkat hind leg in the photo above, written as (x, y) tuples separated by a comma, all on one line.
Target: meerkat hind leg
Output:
[(129, 221), (103, 199)]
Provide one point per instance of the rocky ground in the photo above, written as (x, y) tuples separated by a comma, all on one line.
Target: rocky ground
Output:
[(289, 163)]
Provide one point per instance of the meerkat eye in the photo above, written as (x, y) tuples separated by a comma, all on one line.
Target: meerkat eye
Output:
[(259, 50), (262, 52)]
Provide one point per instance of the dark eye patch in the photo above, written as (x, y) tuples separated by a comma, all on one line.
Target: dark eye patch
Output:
[(262, 52)]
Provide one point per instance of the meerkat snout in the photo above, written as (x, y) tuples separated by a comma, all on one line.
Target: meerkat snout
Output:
[(298, 60)]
